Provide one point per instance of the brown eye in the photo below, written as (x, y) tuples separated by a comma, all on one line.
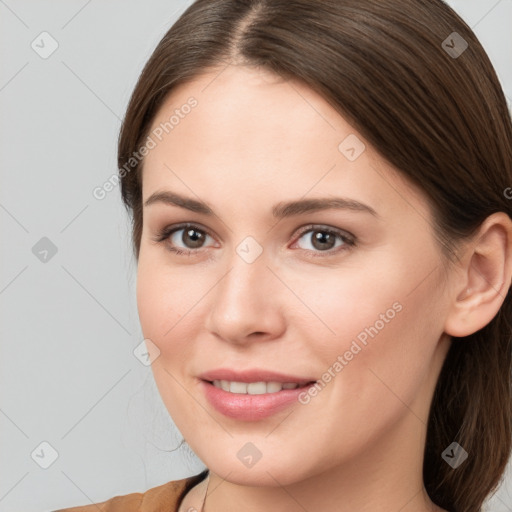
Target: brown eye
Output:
[(323, 240), (183, 239), (192, 238)]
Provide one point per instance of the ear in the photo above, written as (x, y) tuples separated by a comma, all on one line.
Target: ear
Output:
[(480, 289)]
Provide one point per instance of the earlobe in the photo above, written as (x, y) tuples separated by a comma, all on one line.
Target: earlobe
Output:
[(482, 286)]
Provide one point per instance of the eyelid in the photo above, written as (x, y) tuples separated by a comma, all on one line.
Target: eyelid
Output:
[(323, 227), (167, 231)]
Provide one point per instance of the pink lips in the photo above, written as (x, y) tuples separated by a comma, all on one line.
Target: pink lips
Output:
[(255, 375), (247, 407)]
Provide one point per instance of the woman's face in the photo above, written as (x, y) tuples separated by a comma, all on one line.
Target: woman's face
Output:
[(306, 255)]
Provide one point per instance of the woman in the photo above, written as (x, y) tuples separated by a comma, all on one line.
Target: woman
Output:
[(369, 374)]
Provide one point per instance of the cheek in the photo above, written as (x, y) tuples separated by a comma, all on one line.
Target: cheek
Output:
[(341, 306), (154, 303), (373, 372), (163, 300), (388, 352), (395, 298), (380, 337), (405, 359)]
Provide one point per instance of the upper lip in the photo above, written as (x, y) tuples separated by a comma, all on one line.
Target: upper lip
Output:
[(253, 375)]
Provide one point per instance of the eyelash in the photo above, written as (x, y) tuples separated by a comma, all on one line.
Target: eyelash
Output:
[(349, 240)]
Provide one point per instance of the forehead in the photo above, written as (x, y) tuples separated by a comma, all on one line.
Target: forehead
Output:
[(249, 107), (245, 129)]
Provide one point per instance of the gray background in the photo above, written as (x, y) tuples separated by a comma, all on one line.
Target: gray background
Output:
[(69, 325)]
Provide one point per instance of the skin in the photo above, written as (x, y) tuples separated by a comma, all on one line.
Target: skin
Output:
[(255, 140)]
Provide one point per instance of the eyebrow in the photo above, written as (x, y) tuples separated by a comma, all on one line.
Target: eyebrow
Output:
[(280, 210)]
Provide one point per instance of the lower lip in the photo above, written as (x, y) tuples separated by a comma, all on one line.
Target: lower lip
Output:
[(251, 407)]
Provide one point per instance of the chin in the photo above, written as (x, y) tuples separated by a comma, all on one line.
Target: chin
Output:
[(262, 474)]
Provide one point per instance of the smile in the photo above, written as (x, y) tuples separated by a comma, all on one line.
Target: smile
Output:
[(253, 388)]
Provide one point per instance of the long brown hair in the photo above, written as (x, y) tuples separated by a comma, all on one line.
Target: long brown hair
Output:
[(414, 80)]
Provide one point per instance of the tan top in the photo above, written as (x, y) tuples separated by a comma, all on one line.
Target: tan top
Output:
[(164, 498)]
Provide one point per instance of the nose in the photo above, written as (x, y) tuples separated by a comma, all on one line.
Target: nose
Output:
[(247, 304)]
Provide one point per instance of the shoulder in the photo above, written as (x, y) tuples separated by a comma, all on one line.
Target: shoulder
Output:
[(164, 498)]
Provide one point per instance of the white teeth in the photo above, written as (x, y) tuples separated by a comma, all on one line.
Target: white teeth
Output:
[(237, 387), (274, 387), (253, 388), (256, 388)]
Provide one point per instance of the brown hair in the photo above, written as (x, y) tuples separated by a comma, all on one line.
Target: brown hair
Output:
[(440, 118)]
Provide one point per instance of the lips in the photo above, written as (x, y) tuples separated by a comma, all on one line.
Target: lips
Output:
[(254, 375), (243, 405)]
